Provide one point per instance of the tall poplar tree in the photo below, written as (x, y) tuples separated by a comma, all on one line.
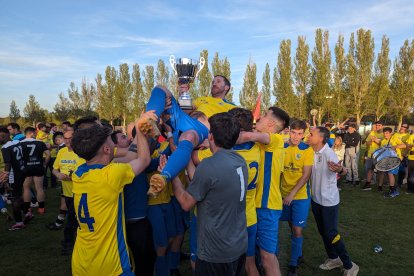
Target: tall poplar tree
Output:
[(320, 93), (123, 93), (14, 113), (380, 87), (204, 78), (302, 76), (33, 112), (283, 82), (138, 96), (62, 110), (402, 84), (359, 63), (339, 71), (162, 75), (149, 81), (266, 88), (248, 94)]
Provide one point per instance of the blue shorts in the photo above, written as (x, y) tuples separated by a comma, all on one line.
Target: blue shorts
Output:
[(178, 215), (251, 243), (297, 212), (162, 221), (181, 122), (268, 229), (394, 171), (193, 238)]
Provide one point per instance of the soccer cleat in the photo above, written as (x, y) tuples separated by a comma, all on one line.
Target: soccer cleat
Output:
[(41, 211), (392, 194), (292, 271), (28, 217), (148, 127), (34, 205), (353, 271), (54, 226), (330, 264), (17, 226), (157, 184), (379, 188), (366, 187)]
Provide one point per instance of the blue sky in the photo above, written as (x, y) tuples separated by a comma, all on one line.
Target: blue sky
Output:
[(45, 45)]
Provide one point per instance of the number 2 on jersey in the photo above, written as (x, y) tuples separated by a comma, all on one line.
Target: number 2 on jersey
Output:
[(83, 205), (252, 184)]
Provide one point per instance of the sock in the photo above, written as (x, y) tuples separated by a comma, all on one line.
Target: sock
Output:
[(173, 259), (156, 101), (41, 204), (296, 250), (161, 266), (178, 160), (25, 207)]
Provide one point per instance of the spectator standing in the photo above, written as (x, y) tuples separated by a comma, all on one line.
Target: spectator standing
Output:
[(352, 140)]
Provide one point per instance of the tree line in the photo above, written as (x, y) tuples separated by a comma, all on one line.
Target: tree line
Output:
[(348, 82)]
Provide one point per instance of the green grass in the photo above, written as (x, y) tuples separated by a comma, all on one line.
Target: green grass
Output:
[(366, 219)]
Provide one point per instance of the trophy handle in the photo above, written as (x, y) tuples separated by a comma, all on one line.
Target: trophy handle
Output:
[(172, 63), (201, 62)]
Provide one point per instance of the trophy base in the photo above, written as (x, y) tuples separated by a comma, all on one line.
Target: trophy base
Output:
[(186, 104)]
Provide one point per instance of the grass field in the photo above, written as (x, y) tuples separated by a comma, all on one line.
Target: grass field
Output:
[(366, 219)]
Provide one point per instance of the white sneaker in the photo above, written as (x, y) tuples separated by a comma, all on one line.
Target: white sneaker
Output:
[(353, 271), (330, 264)]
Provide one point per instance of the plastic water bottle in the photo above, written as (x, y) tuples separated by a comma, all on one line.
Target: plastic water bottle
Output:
[(377, 248)]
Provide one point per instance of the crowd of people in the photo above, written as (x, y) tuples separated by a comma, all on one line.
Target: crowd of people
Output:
[(128, 197)]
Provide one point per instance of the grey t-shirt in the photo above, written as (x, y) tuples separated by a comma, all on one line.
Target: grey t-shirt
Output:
[(219, 187)]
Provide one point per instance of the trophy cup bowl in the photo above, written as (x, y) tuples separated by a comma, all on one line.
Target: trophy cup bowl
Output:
[(186, 70)]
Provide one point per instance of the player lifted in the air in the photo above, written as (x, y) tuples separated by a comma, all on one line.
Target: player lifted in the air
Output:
[(188, 132)]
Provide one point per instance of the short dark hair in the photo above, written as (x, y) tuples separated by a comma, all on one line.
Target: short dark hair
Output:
[(4, 130), (280, 114), (87, 141), (387, 129), (298, 124), (29, 129), (66, 123), (244, 117), (113, 136), (14, 126), (225, 129), (56, 134), (226, 81), (324, 132), (52, 124), (84, 122), (41, 125)]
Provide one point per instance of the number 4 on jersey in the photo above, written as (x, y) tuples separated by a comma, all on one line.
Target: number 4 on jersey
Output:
[(83, 205)]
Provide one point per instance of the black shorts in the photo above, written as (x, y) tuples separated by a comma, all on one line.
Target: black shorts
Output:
[(34, 171)]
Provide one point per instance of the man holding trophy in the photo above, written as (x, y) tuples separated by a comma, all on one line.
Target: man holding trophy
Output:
[(188, 132)]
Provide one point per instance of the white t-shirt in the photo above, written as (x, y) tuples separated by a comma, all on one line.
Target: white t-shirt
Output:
[(324, 189)]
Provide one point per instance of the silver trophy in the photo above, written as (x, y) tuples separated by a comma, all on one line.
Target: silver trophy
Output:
[(186, 71)]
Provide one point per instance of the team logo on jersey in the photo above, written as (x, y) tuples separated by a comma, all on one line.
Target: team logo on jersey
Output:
[(298, 156)]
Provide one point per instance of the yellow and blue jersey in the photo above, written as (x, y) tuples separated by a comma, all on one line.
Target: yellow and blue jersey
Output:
[(251, 153), (268, 186), (67, 162), (100, 247), (296, 157), (373, 146), (393, 141), (210, 105)]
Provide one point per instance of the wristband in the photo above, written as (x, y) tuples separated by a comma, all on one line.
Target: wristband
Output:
[(169, 134)]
